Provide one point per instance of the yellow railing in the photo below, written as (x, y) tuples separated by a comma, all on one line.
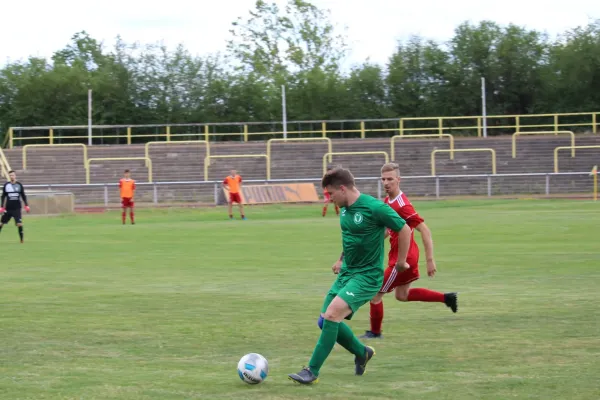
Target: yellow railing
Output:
[(203, 142), (514, 139), (89, 161), (27, 146), (434, 152), (329, 145), (443, 135), (4, 165), (557, 149), (468, 125), (353, 153), (207, 162)]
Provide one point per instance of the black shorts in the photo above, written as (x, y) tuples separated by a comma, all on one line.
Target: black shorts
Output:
[(16, 214)]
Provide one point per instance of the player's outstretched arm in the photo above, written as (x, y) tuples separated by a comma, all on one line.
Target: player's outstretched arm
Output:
[(427, 239), (24, 196)]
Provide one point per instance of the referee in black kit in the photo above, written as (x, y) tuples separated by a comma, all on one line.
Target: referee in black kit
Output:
[(12, 192)]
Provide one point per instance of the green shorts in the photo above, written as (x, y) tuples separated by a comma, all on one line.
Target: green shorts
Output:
[(354, 289)]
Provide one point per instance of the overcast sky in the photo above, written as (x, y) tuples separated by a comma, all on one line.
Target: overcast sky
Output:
[(373, 27)]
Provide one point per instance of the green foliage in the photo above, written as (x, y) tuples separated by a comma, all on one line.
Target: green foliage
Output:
[(297, 45)]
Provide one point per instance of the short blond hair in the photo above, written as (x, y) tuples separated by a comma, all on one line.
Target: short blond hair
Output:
[(388, 167)]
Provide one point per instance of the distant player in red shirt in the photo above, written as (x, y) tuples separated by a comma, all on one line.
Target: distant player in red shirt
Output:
[(327, 200), (127, 192), (399, 282), (233, 183)]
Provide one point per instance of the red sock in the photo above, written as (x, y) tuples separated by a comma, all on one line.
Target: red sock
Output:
[(324, 210), (376, 317), (124, 216), (131, 216), (420, 294)]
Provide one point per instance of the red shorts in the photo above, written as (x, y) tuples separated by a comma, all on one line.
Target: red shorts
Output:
[(235, 198), (126, 202), (392, 279), (327, 197)]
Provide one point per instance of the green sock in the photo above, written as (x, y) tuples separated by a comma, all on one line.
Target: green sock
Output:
[(324, 346), (349, 341)]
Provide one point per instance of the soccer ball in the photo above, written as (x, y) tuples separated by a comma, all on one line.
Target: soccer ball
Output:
[(253, 368)]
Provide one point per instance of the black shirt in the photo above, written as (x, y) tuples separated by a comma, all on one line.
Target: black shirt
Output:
[(13, 192)]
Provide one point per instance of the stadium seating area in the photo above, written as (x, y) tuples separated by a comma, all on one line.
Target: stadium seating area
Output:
[(175, 162)]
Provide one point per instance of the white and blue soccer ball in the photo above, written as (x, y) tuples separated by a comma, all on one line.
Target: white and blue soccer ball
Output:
[(253, 368)]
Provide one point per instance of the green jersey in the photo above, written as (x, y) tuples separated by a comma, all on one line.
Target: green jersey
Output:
[(363, 233)]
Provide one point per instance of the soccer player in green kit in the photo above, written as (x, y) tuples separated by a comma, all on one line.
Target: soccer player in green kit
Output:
[(363, 220)]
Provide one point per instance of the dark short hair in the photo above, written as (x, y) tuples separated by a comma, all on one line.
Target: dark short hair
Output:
[(11, 172), (126, 170), (337, 177)]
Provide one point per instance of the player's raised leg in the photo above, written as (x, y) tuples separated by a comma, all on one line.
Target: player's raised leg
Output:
[(405, 293)]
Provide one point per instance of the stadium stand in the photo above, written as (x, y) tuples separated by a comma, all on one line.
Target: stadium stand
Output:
[(304, 159)]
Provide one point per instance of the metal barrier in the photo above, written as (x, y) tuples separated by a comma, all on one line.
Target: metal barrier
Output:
[(207, 162), (514, 139), (557, 149), (204, 142), (89, 161), (434, 152), (547, 184), (392, 140), (85, 152), (352, 153), (472, 125), (329, 145)]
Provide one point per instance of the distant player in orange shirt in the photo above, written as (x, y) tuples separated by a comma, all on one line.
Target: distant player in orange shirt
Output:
[(127, 191), (233, 184)]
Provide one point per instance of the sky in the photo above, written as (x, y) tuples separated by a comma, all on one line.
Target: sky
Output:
[(372, 27)]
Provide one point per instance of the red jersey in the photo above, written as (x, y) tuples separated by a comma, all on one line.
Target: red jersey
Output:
[(402, 206)]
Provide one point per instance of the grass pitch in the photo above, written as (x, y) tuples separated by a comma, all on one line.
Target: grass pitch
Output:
[(91, 309)]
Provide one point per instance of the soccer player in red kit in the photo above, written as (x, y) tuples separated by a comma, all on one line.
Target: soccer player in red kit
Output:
[(399, 282), (327, 200), (126, 191)]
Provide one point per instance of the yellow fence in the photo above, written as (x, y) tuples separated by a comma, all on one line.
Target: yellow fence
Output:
[(470, 125), (28, 146), (557, 149), (202, 142), (207, 162), (329, 145), (89, 161), (352, 153), (443, 135), (434, 152), (514, 139), (4, 165)]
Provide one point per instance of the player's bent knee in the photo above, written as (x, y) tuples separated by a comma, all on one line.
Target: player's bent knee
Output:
[(401, 296), (337, 310), (320, 322)]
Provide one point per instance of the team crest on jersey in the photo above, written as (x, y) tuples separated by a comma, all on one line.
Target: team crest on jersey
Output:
[(358, 218)]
